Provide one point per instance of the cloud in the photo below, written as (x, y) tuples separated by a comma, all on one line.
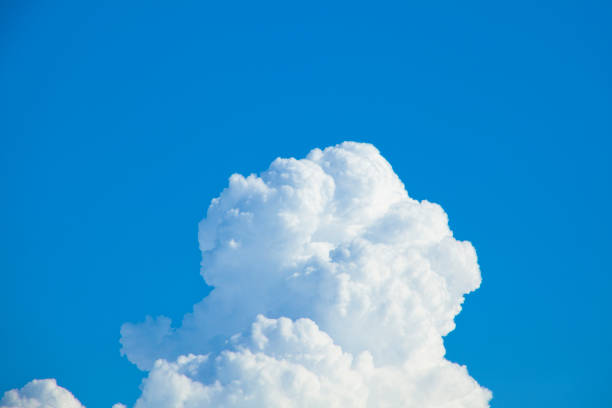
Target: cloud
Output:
[(285, 363), (336, 240), (40, 394), (332, 288)]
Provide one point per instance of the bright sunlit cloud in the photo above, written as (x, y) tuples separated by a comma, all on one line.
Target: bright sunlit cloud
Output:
[(332, 288)]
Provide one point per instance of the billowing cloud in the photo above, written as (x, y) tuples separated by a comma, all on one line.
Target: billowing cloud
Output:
[(285, 363), (332, 288), (40, 394), (358, 284)]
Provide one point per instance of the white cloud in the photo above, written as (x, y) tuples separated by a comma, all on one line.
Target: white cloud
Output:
[(333, 238), (282, 363), (332, 288), (40, 394)]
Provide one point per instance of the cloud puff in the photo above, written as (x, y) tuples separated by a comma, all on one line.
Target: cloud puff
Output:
[(40, 394), (345, 267), (332, 288), (282, 363)]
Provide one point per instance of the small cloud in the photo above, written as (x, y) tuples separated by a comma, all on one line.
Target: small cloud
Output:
[(40, 393)]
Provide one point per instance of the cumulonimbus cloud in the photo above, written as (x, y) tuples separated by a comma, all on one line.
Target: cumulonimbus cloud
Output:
[(332, 288)]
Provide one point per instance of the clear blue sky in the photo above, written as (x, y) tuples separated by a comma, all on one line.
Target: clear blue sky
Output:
[(120, 122)]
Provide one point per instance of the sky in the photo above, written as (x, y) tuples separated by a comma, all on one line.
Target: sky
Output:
[(119, 124)]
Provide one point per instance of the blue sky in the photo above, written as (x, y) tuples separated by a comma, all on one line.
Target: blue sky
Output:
[(120, 122)]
